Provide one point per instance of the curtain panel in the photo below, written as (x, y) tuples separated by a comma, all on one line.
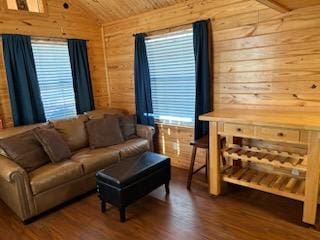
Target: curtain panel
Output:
[(144, 109), (24, 91), (81, 75), (202, 50)]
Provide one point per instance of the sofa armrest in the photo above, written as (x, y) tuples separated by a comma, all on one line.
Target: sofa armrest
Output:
[(9, 170), (146, 132), (15, 188)]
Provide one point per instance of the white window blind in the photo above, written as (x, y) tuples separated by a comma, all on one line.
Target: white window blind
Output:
[(55, 78), (172, 70)]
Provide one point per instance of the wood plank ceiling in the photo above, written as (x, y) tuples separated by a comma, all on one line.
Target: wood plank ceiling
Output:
[(111, 10), (295, 4), (288, 5)]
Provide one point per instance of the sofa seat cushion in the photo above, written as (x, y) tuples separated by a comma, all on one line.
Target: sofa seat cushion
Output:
[(54, 174), (132, 147), (93, 160)]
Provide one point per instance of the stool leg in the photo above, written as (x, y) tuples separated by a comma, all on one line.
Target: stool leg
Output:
[(103, 206), (122, 211), (193, 158), (207, 163)]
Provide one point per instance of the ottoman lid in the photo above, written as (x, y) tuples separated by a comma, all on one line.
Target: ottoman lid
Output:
[(129, 170)]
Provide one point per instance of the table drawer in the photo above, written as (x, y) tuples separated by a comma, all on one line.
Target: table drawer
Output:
[(238, 129), (280, 134)]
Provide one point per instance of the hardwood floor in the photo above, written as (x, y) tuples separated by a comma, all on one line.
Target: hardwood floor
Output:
[(241, 214)]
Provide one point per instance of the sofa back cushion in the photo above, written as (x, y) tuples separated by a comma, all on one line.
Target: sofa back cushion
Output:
[(100, 113), (104, 132), (11, 131), (53, 144), (25, 150), (73, 131)]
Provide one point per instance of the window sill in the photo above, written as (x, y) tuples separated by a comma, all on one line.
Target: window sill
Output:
[(174, 124)]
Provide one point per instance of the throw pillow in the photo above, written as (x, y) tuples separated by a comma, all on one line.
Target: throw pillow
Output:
[(53, 144), (128, 125), (104, 132), (25, 150)]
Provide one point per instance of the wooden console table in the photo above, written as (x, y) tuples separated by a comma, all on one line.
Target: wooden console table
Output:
[(292, 175)]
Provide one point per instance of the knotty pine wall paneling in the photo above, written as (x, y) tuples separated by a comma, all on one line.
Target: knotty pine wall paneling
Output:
[(262, 60), (57, 23)]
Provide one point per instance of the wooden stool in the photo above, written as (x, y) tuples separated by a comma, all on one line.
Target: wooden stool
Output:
[(200, 143)]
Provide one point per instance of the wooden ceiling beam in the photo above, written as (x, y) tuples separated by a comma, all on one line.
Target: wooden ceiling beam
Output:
[(275, 5)]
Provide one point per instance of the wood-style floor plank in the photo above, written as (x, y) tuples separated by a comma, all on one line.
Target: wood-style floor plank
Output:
[(240, 214)]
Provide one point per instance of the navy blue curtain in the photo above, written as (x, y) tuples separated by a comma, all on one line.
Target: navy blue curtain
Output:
[(203, 75), (144, 108), (25, 98), (81, 75)]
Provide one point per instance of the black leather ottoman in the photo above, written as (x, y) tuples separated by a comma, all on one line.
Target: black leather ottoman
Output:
[(127, 181)]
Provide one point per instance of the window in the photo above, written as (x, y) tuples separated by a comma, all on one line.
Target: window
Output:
[(35, 6), (55, 78), (172, 71)]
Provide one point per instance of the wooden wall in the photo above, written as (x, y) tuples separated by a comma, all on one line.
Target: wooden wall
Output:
[(262, 59), (57, 23)]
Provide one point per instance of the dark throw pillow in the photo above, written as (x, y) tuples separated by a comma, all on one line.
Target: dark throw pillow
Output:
[(128, 126), (104, 132), (53, 144), (25, 150)]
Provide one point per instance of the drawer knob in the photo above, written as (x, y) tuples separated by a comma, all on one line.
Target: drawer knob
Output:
[(239, 129), (280, 134)]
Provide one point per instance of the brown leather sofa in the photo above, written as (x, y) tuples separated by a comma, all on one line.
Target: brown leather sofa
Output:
[(29, 194)]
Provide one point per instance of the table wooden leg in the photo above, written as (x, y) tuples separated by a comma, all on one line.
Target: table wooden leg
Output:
[(312, 179), (214, 162)]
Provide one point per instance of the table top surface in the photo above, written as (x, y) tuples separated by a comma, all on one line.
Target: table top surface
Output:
[(288, 119)]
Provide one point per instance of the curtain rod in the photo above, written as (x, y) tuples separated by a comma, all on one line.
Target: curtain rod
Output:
[(39, 37), (183, 25), (49, 38), (56, 39)]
